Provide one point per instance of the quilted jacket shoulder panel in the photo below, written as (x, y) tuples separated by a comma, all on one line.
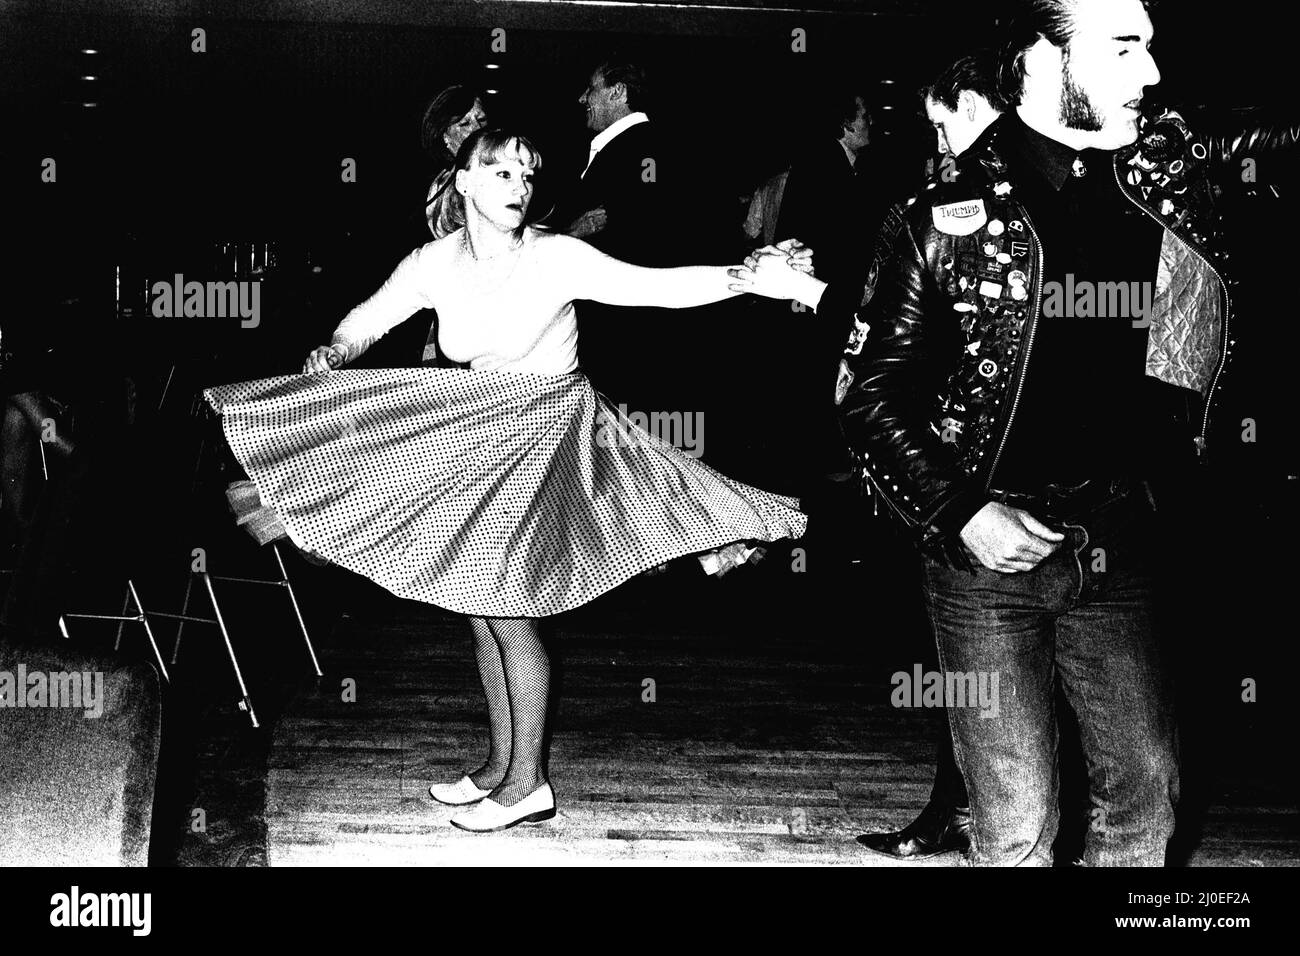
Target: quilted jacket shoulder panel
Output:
[(1184, 340)]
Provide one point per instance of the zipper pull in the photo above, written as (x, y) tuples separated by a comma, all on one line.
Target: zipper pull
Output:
[(1200, 446)]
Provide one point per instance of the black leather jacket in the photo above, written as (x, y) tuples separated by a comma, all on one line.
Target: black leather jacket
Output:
[(932, 376)]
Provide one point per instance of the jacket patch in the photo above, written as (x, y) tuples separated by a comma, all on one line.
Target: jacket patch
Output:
[(858, 337), (960, 218)]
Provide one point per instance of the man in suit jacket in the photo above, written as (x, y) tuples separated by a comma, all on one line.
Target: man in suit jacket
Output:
[(623, 209), (620, 198)]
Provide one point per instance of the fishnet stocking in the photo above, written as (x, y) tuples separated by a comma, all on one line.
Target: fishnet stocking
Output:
[(516, 674)]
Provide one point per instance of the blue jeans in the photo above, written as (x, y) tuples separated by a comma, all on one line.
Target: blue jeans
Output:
[(1084, 614)]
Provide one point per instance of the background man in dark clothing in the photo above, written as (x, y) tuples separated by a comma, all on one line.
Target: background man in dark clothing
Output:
[(624, 208), (828, 201), (619, 199)]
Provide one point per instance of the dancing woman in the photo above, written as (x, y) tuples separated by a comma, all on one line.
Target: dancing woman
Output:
[(508, 491)]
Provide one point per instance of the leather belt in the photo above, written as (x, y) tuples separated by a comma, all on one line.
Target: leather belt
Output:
[(1068, 501)]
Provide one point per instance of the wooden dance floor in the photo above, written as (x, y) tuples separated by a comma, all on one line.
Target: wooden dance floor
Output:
[(777, 747)]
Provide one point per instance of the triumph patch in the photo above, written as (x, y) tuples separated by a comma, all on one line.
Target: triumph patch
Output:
[(960, 218)]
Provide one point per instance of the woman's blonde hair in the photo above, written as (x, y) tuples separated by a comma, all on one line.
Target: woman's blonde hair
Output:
[(482, 147)]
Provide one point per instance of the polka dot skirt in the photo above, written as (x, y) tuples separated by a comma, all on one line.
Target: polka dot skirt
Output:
[(493, 493)]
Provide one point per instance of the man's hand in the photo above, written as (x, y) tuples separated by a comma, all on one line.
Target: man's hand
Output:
[(324, 359), (801, 257), (1009, 540), (773, 273), (588, 224)]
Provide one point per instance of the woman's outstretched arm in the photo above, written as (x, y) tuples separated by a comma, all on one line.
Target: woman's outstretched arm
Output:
[(400, 297), (587, 273)]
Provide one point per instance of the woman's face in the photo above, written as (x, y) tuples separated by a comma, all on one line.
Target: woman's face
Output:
[(458, 131), (499, 191)]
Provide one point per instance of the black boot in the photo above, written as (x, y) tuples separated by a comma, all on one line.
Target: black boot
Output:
[(939, 829)]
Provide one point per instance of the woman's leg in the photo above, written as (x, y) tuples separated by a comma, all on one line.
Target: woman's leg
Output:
[(528, 676), (493, 675)]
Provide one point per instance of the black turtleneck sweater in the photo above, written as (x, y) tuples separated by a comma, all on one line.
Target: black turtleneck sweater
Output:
[(1081, 412)]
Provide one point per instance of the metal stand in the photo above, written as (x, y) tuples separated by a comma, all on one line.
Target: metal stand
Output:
[(246, 702), (282, 582), (123, 619), (197, 409)]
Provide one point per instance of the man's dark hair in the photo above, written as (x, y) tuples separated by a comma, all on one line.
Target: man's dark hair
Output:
[(843, 110), (976, 72), (619, 69), (1029, 20)]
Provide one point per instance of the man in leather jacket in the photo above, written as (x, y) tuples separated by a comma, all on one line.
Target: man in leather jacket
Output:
[(1051, 314), (960, 104)]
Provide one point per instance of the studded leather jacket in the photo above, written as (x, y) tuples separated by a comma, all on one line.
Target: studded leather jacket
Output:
[(935, 364)]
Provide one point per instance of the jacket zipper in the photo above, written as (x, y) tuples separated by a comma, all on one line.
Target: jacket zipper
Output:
[(1227, 307), (1029, 345)]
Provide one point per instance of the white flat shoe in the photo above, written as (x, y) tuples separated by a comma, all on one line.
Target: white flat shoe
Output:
[(458, 794), (490, 816)]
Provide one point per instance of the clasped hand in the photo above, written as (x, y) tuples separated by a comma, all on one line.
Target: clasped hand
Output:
[(774, 271)]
